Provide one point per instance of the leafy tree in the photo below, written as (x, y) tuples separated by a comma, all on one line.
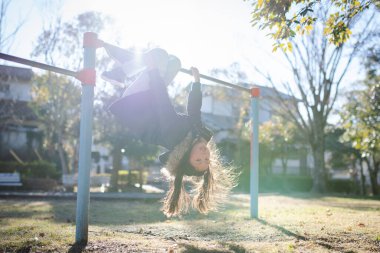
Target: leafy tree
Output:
[(280, 136), (287, 18), (318, 70), (57, 99), (56, 102), (361, 119), (344, 156)]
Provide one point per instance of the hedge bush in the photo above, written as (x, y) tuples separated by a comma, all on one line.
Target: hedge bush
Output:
[(285, 183), (341, 186), (279, 183), (35, 169), (39, 184)]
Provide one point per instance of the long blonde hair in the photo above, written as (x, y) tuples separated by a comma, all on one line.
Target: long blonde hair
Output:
[(208, 192)]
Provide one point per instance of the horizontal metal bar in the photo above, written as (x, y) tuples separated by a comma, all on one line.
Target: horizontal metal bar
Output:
[(187, 71), (39, 65)]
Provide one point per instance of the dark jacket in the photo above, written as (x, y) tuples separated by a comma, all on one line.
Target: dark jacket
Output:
[(150, 114)]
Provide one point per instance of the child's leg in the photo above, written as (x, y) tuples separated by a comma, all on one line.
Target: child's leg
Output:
[(118, 54), (130, 64), (155, 58), (140, 84), (133, 64), (173, 66), (151, 80)]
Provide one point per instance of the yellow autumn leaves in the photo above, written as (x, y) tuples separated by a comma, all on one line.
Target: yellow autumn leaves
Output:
[(274, 15)]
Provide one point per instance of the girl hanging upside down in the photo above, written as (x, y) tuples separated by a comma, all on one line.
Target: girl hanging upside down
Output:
[(146, 110)]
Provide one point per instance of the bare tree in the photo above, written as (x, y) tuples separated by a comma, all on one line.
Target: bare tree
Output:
[(318, 69), (9, 108), (57, 99), (7, 36)]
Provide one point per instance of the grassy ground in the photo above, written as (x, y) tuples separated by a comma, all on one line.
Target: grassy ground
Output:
[(293, 223)]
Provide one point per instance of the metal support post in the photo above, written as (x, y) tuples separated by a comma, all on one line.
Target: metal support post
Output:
[(254, 173), (85, 141)]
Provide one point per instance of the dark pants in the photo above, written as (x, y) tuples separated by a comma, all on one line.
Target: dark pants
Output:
[(147, 114)]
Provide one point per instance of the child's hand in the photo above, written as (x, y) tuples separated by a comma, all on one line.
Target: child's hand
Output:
[(195, 72)]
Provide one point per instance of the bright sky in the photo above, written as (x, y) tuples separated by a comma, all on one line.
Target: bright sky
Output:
[(207, 34), (203, 33)]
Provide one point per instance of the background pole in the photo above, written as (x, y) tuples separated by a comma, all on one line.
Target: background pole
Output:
[(254, 175), (85, 142)]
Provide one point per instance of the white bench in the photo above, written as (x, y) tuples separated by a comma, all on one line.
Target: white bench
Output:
[(10, 179)]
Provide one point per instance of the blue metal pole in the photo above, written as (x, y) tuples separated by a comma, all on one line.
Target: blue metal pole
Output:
[(85, 139), (254, 175)]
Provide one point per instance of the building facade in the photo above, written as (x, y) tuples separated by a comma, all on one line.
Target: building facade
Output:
[(19, 134)]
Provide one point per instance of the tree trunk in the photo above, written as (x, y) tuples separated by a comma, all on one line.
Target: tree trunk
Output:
[(116, 166), (284, 162), (319, 172), (132, 165), (362, 178), (62, 160), (141, 181), (61, 153), (373, 171), (374, 184), (318, 150), (303, 161), (319, 175)]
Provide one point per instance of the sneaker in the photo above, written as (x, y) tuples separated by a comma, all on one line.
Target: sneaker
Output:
[(114, 76), (118, 54)]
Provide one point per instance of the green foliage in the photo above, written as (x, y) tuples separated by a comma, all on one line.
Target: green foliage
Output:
[(342, 154), (39, 184), (287, 183), (277, 140), (268, 182), (35, 169), (361, 119), (341, 186), (56, 99), (56, 102), (287, 18), (280, 136)]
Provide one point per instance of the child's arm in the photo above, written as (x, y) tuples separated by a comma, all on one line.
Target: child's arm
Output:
[(194, 102)]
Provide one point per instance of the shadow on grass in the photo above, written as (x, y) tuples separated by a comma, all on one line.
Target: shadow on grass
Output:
[(77, 248), (189, 248), (232, 248), (283, 230), (235, 248), (299, 237)]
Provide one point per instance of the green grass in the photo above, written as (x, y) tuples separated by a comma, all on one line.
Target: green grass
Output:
[(293, 223)]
